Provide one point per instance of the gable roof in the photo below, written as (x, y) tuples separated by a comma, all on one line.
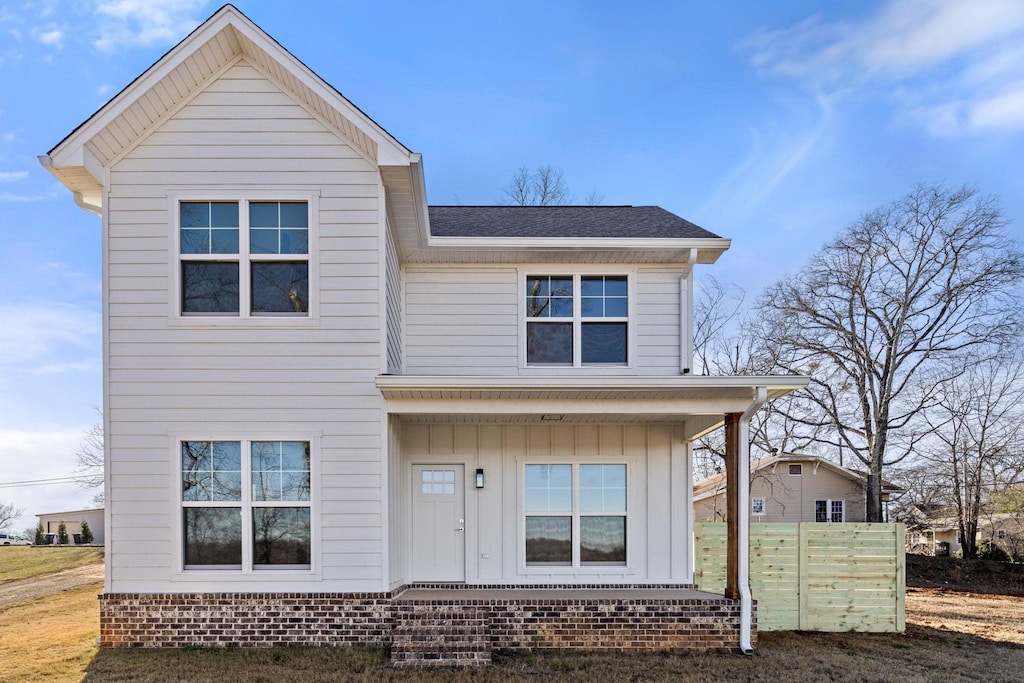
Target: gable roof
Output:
[(715, 484), (223, 40), (649, 222)]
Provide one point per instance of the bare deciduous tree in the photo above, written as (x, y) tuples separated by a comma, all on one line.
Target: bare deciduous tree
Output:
[(716, 307), (880, 315), (976, 438), (89, 467), (8, 513), (543, 186)]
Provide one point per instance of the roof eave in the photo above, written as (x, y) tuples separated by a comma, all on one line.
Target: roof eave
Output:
[(708, 249)]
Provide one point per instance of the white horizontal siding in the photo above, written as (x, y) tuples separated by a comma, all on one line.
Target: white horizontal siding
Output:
[(169, 378), (461, 321)]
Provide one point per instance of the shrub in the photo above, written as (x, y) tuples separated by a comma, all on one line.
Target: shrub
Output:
[(987, 550), (40, 537), (62, 534), (86, 532)]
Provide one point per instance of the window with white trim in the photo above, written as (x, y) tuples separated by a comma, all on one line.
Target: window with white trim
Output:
[(796, 470), (1001, 534), (245, 504), (244, 258), (829, 511), (757, 506), (576, 320), (575, 514)]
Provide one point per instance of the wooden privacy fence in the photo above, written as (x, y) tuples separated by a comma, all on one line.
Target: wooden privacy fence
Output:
[(815, 577)]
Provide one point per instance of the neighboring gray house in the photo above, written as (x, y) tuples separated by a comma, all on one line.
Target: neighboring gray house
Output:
[(72, 520), (322, 395), (792, 487)]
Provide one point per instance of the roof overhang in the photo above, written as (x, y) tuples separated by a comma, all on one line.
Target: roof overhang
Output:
[(429, 249), (699, 402), (223, 40)]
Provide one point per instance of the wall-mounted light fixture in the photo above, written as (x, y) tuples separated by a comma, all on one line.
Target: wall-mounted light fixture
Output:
[(479, 477)]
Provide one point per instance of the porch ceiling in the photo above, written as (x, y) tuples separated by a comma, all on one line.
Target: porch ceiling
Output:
[(701, 402)]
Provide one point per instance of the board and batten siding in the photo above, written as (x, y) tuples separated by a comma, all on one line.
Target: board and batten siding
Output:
[(658, 475), (466, 321), (171, 378)]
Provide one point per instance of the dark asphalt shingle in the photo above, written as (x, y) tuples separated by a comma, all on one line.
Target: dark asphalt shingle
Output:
[(652, 222)]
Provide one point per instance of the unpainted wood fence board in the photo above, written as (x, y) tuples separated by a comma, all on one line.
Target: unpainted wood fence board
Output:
[(816, 577)]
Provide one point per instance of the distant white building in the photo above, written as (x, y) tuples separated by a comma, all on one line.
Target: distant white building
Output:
[(73, 521)]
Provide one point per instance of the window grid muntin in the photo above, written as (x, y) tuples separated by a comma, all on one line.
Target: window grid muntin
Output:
[(244, 260), (245, 505), (538, 287), (757, 506), (576, 515)]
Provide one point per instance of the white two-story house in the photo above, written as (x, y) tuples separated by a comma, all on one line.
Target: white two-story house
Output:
[(322, 395)]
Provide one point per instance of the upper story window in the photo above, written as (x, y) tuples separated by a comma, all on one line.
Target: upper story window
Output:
[(577, 320), (244, 258)]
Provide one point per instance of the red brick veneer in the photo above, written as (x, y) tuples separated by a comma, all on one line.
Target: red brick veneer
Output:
[(320, 619)]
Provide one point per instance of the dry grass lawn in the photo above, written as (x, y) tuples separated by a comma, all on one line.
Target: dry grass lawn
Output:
[(52, 639), (951, 637), (24, 561)]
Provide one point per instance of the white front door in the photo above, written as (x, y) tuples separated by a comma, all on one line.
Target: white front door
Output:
[(438, 523)]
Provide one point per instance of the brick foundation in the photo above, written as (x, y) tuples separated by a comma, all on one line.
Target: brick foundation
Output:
[(244, 619), (384, 619)]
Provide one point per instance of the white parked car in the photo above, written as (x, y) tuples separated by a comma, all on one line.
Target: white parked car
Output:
[(11, 539)]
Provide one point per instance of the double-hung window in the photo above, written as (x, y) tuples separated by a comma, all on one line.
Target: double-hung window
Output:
[(244, 258), (246, 504), (829, 511), (576, 320), (575, 515)]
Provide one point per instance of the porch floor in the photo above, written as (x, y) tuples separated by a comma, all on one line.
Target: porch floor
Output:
[(463, 595)]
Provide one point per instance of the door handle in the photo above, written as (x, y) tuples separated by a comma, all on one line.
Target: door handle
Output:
[(462, 525)]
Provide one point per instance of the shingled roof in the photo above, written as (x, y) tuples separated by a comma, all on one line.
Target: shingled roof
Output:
[(652, 222)]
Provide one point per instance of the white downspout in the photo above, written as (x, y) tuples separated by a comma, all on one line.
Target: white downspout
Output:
[(686, 314), (743, 532)]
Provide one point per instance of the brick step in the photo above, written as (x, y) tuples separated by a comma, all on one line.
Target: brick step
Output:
[(439, 638)]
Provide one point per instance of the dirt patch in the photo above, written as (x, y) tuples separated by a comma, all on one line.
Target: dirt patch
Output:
[(42, 586), (993, 617)]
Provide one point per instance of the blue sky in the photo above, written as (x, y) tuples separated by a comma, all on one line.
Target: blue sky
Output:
[(773, 123)]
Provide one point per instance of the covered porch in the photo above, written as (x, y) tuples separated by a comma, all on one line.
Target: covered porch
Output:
[(486, 441)]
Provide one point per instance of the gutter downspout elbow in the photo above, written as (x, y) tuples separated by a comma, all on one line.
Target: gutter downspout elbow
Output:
[(743, 540)]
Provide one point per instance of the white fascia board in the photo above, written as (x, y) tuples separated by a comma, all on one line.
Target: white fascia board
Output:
[(591, 382), (65, 152), (469, 243), (679, 407), (711, 248), (388, 148)]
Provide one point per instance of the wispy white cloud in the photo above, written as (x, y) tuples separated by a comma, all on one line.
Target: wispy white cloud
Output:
[(126, 23), (49, 35), (775, 153), (45, 332), (12, 176), (955, 66), (44, 452)]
